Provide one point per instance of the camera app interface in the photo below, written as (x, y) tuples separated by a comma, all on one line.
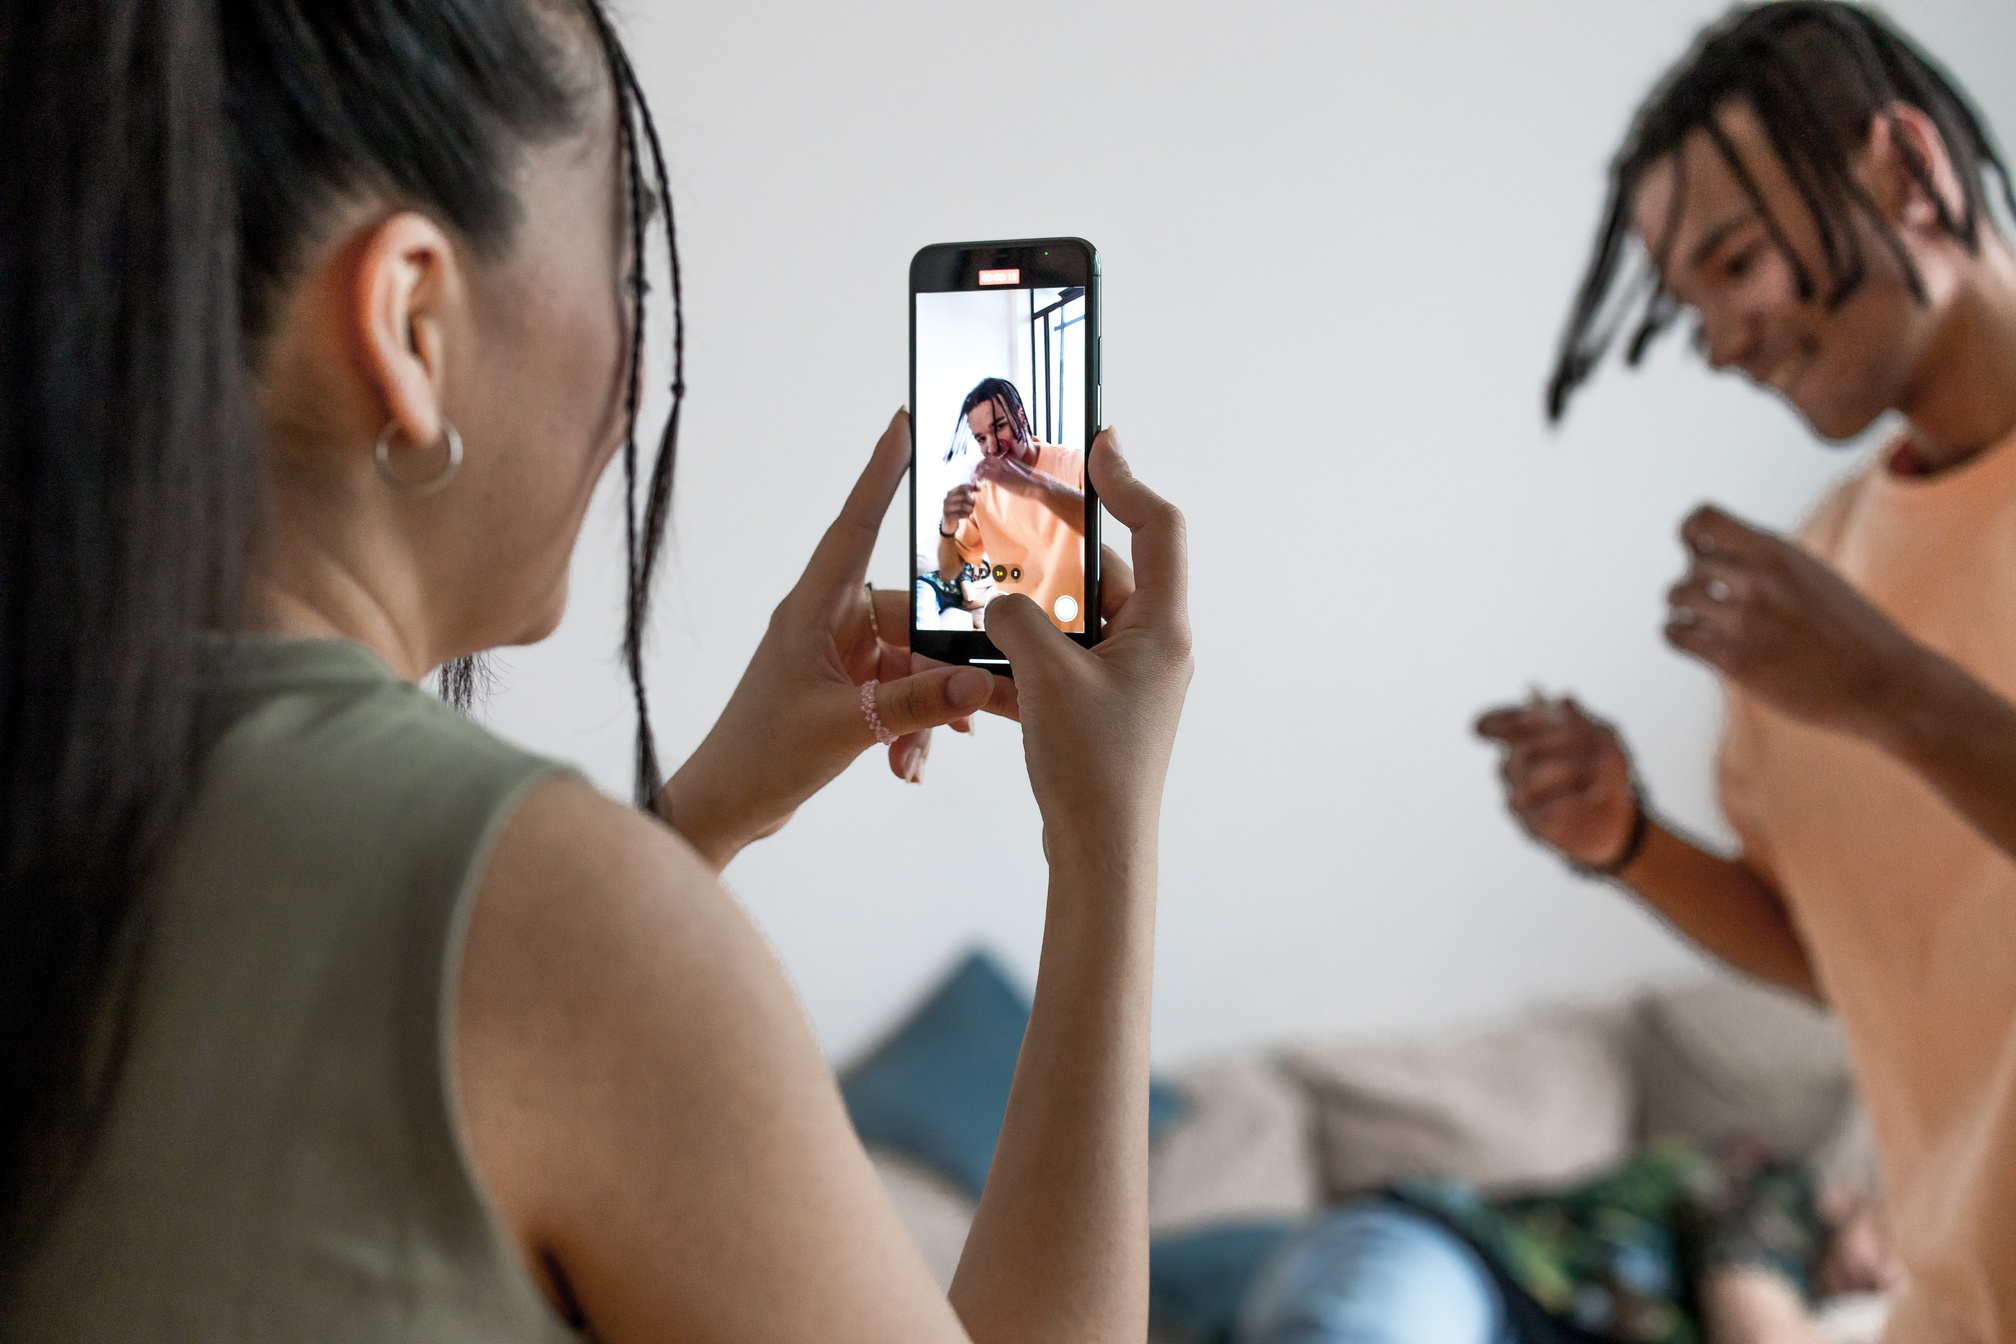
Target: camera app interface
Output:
[(1000, 452)]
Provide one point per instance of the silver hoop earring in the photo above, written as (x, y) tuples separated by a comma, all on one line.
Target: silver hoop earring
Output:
[(435, 486)]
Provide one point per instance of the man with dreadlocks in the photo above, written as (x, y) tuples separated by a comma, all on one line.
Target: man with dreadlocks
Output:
[(1021, 512), (1814, 188)]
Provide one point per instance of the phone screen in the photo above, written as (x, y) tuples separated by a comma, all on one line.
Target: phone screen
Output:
[(1004, 404)]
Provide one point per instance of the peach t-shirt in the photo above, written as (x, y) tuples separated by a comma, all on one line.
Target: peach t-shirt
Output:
[(1907, 912), (1032, 550)]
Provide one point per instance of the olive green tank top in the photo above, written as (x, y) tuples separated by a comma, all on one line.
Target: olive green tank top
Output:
[(282, 1162)]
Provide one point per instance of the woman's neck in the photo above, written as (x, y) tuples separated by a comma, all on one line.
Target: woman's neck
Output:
[(311, 587)]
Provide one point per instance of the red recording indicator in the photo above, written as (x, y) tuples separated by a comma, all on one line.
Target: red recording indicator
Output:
[(1008, 277)]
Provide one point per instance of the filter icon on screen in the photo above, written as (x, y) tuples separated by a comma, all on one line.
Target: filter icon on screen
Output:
[(1066, 609)]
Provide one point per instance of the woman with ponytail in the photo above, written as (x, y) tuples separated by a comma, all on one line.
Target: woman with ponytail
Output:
[(324, 1015)]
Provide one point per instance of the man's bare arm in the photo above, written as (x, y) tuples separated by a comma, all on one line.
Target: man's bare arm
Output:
[(1798, 637)]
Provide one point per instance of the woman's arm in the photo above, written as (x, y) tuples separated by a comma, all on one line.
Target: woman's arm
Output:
[(648, 1110), (1059, 1247), (646, 1106)]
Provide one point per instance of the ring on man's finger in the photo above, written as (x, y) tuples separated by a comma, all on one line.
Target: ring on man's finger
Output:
[(1718, 591)]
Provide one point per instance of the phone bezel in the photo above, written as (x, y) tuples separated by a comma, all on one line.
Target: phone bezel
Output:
[(1045, 263)]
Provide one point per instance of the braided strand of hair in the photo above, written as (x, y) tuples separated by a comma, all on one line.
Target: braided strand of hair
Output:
[(1817, 74)]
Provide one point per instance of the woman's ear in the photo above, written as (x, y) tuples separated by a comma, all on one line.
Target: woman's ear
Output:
[(1901, 136), (406, 280)]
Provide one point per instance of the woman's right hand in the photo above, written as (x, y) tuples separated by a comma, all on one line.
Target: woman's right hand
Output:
[(796, 719), (1567, 778), (1098, 724)]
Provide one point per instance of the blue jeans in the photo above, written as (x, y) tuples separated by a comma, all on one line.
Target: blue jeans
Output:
[(1376, 1272)]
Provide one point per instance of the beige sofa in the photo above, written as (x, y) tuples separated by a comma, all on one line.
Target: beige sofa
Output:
[(1529, 1104)]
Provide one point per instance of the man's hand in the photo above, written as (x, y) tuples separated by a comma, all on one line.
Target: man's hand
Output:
[(1777, 622), (1011, 476), (1066, 501), (1567, 778), (958, 508), (1568, 781)]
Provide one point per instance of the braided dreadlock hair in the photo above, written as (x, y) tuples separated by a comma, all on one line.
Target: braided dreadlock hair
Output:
[(1816, 73), (465, 681)]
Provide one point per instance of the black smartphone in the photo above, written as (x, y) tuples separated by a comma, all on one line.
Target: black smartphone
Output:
[(1004, 404)]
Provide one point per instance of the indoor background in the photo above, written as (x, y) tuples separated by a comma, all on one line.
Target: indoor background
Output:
[(1338, 242)]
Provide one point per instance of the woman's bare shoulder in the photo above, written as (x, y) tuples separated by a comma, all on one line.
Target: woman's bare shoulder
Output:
[(634, 1067), (568, 835), (598, 926)]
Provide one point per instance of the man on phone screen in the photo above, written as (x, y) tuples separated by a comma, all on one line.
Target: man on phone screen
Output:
[(1815, 190), (1022, 514)]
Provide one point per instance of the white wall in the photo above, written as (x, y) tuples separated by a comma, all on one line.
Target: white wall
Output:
[(1388, 206)]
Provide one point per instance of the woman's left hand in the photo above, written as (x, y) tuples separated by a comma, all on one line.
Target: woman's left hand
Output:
[(795, 720)]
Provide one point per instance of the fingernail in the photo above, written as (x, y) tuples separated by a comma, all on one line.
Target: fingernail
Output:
[(969, 687)]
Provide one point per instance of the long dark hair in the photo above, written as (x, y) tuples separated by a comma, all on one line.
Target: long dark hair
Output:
[(1007, 401), (166, 167), (1816, 73)]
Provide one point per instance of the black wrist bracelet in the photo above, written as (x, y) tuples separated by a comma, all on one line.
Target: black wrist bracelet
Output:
[(953, 535), (1641, 828)]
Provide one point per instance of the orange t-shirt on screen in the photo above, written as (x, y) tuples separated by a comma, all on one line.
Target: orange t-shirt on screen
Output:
[(1907, 912), (1016, 534)]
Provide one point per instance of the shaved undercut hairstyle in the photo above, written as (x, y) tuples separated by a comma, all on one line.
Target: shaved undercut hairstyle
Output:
[(1007, 403), (1816, 73)]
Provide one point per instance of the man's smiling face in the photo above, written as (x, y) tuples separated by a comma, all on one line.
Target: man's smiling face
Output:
[(1840, 368)]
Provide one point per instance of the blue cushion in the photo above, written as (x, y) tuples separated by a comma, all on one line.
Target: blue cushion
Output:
[(938, 1088), (1197, 1280), (1166, 1102)]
